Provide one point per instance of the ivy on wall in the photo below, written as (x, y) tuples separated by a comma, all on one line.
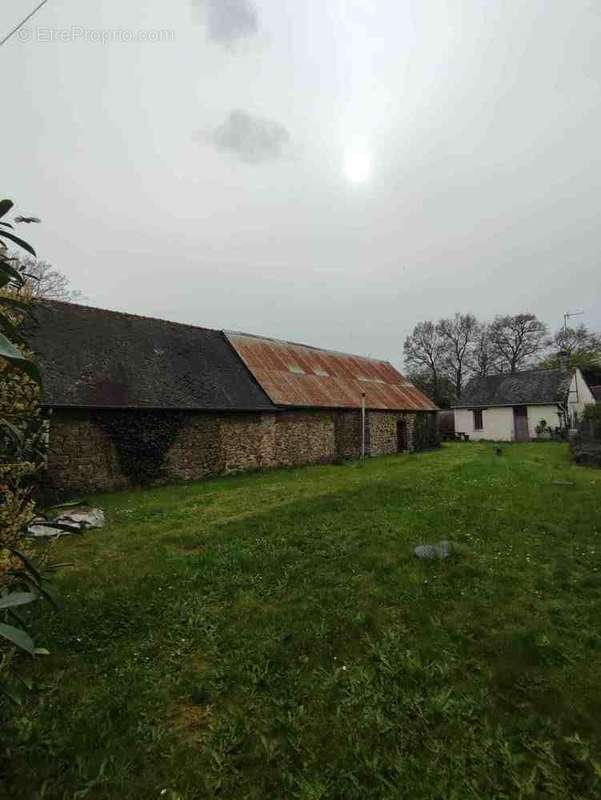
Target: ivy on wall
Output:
[(425, 432), (142, 440)]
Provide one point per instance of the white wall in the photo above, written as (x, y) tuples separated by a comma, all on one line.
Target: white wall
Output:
[(498, 422), (580, 395), (551, 415)]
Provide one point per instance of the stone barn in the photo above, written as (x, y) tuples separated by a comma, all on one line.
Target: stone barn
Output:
[(133, 400)]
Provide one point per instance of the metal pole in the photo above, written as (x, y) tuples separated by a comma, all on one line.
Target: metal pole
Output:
[(567, 315), (362, 426)]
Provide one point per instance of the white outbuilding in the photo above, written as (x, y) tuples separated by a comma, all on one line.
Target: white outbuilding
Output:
[(521, 406)]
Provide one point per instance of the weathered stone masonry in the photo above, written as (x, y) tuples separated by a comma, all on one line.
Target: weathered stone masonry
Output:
[(85, 456), (117, 386)]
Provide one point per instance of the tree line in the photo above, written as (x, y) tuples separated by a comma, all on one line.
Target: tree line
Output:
[(441, 357)]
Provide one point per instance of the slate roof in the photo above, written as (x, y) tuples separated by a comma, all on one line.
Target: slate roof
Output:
[(298, 375), (535, 387), (93, 358)]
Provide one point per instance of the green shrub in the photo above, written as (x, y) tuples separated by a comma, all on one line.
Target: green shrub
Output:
[(22, 440), (592, 418)]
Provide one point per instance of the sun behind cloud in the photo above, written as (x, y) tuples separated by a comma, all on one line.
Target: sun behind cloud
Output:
[(358, 166)]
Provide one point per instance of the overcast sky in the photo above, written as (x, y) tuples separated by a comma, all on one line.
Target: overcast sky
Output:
[(326, 171)]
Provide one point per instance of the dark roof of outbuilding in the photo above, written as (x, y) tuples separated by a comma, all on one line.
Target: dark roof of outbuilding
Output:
[(94, 358), (539, 386)]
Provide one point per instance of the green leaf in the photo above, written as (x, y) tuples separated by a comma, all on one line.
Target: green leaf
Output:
[(14, 432), (14, 302), (18, 637), (26, 577), (26, 561), (9, 351), (5, 207), (41, 651), (12, 354), (11, 692), (17, 599), (48, 594), (10, 330), (21, 242), (18, 618), (8, 273), (57, 566), (69, 504)]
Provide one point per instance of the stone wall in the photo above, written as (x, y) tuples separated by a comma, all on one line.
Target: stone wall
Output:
[(304, 437), (86, 454), (247, 442), (81, 455), (348, 434), (196, 452), (382, 425)]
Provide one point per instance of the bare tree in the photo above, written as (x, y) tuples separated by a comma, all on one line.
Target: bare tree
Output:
[(484, 361), (459, 335), (44, 281), (424, 352), (517, 339), (581, 346), (443, 393)]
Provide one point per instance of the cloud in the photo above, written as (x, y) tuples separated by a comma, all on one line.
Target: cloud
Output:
[(252, 139), (230, 20)]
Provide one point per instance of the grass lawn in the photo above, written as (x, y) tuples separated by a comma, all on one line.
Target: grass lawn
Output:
[(273, 636)]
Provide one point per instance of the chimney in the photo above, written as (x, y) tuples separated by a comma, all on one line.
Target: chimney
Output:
[(563, 358)]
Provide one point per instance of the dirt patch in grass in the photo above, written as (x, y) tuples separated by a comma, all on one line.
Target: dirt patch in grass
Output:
[(191, 721), (191, 549)]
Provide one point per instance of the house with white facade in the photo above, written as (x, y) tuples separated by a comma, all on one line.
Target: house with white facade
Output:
[(510, 407)]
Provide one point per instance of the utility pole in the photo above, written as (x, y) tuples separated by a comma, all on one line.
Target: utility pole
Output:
[(563, 354), (362, 426)]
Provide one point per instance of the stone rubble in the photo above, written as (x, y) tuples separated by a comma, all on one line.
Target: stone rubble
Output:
[(432, 551), (78, 519)]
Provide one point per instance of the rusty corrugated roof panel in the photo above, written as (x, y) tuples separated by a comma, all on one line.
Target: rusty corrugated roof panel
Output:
[(299, 375)]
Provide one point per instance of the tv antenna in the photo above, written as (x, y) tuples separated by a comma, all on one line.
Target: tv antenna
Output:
[(567, 316)]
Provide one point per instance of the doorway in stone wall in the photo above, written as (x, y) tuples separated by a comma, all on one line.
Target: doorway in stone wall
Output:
[(402, 436)]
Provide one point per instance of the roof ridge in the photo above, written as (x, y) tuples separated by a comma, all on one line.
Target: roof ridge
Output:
[(538, 369), (541, 370), (224, 331), (308, 346), (127, 314)]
